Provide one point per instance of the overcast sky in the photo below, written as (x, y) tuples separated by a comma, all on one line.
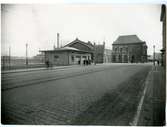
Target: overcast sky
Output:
[(38, 24)]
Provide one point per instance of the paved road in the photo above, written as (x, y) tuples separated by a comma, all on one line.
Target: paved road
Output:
[(89, 95)]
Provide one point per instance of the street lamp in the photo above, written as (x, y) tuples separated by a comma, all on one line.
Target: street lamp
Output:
[(154, 54), (94, 54), (9, 57), (26, 54)]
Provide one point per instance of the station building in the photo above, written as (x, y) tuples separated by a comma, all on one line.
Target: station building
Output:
[(129, 48), (76, 52), (97, 51), (66, 56)]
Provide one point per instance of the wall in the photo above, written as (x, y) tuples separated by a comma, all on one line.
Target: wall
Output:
[(129, 53), (57, 58), (65, 58), (78, 56), (163, 20), (107, 56), (80, 47), (99, 53)]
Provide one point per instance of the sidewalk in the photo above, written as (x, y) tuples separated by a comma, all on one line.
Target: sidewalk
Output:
[(153, 109)]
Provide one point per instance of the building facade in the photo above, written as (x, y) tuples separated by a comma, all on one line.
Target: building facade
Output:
[(77, 52), (66, 56), (163, 20), (107, 56), (97, 51), (129, 48)]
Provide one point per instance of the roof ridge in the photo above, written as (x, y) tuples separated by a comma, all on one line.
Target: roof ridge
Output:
[(77, 40), (126, 39)]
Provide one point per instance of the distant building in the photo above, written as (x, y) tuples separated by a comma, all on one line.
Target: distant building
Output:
[(163, 20), (66, 56), (97, 51), (76, 52), (150, 58), (39, 57), (107, 56), (129, 48), (82, 46), (158, 57)]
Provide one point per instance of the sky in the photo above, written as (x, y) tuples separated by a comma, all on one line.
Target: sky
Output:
[(38, 24)]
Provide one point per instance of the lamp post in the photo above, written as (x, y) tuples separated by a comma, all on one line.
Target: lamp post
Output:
[(154, 55), (94, 54), (9, 57), (26, 54)]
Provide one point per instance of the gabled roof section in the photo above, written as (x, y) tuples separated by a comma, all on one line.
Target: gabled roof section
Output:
[(89, 45), (65, 49), (61, 49), (128, 39)]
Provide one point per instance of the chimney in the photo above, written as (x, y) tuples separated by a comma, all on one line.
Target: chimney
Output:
[(57, 40)]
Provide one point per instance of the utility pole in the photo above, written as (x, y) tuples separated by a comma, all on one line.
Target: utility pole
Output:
[(58, 40), (9, 57), (94, 53), (154, 54), (26, 54)]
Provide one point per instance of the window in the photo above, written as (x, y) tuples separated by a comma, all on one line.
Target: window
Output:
[(115, 49), (56, 57), (72, 58), (78, 56), (126, 49), (121, 50)]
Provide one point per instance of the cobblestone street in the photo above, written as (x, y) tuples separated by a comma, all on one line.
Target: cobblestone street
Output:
[(89, 95)]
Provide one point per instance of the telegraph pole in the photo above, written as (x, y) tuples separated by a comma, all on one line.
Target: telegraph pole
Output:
[(26, 54), (9, 57), (94, 54), (58, 40), (154, 54)]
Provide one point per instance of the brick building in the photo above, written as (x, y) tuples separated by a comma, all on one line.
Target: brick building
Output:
[(129, 48), (97, 51)]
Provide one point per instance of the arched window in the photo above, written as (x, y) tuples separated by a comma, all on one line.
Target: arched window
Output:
[(115, 49), (121, 50), (113, 58)]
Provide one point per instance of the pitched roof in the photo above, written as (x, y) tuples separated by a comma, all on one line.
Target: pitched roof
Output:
[(69, 48), (79, 41), (64, 49), (128, 39)]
